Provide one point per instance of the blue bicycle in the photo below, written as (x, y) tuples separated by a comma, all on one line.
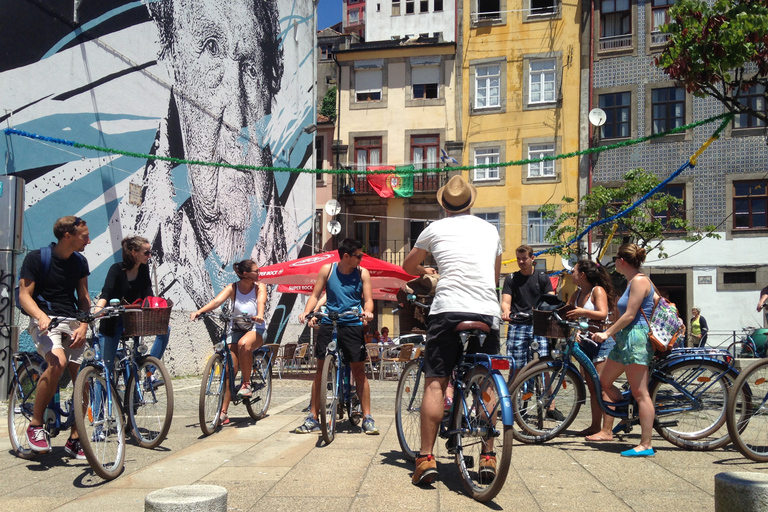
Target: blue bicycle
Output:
[(336, 394)]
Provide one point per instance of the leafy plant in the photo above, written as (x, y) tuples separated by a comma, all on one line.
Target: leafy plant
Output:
[(328, 108)]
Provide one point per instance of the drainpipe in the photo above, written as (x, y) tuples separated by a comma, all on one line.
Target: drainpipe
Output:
[(589, 99)]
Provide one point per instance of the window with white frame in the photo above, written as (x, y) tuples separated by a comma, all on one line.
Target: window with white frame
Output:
[(425, 77), (542, 81), (537, 228), (659, 17), (492, 218), (368, 80), (543, 168), (486, 156), (488, 86)]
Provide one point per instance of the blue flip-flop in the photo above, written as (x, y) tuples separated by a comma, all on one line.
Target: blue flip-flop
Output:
[(642, 453)]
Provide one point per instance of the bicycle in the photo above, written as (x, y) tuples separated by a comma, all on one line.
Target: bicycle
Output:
[(215, 378), (480, 400), (746, 348), (689, 388), (747, 419), (336, 394)]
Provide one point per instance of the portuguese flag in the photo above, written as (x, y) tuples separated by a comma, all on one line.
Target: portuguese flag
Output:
[(398, 183)]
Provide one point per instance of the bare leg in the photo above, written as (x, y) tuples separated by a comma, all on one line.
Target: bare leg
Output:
[(73, 368), (245, 347), (597, 414), (431, 412), (315, 396), (637, 376), (47, 383), (608, 375), (227, 397)]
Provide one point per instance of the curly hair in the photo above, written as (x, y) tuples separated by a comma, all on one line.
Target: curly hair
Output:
[(598, 276)]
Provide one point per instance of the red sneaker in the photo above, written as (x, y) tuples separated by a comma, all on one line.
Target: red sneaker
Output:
[(38, 439)]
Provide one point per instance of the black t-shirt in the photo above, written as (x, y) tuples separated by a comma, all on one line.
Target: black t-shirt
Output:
[(525, 292), (117, 286), (55, 293)]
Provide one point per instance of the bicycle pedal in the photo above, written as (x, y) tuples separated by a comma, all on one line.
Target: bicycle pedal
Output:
[(469, 461)]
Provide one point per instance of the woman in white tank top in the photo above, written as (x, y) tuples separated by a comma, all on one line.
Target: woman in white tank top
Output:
[(249, 296)]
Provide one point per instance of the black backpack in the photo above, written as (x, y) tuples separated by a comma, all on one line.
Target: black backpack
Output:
[(46, 257)]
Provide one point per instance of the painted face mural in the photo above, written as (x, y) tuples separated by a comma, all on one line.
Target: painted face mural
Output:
[(206, 81)]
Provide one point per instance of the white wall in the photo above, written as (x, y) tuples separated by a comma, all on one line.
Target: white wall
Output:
[(382, 26)]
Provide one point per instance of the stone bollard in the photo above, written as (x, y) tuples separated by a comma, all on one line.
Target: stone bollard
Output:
[(187, 498), (741, 491)]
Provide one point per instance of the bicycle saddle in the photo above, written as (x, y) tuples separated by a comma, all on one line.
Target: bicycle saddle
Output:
[(471, 325)]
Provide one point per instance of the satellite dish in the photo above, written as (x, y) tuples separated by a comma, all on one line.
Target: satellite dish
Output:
[(333, 227), (597, 117), (570, 261), (332, 207)]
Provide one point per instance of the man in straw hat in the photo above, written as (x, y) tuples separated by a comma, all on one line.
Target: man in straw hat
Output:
[(468, 251)]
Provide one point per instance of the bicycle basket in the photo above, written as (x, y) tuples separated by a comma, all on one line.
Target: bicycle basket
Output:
[(544, 324), (147, 321)]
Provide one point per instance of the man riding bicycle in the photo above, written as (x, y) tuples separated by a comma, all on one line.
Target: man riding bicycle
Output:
[(468, 251), (347, 287)]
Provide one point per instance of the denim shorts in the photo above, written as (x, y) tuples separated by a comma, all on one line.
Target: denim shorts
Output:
[(598, 353)]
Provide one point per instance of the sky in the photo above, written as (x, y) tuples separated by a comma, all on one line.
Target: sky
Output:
[(328, 13)]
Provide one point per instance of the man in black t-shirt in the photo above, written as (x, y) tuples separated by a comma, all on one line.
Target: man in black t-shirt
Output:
[(45, 295), (521, 292)]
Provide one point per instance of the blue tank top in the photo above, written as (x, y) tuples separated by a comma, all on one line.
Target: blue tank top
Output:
[(646, 305), (344, 292)]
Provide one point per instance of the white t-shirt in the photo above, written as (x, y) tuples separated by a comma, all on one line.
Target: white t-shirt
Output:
[(465, 248)]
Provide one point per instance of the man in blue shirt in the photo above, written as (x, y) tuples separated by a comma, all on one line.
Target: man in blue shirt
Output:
[(347, 287)]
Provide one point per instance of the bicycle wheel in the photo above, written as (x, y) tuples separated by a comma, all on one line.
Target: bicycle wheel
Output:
[(20, 405), (329, 398), (533, 394), (212, 394), (748, 421), (355, 410), (99, 423), (477, 416), (410, 391), (741, 350), (150, 402), (261, 383), (690, 404)]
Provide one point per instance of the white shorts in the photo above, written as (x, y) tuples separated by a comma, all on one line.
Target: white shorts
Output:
[(57, 338)]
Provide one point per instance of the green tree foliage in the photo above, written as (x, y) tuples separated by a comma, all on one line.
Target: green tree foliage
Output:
[(328, 108), (719, 50), (640, 226)]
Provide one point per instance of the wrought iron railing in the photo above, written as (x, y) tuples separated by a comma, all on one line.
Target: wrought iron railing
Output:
[(615, 42), (422, 182), (395, 251)]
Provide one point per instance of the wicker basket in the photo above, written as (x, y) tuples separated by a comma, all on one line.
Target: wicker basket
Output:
[(146, 321), (544, 324)]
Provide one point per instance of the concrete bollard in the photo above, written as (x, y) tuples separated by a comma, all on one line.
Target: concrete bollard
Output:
[(741, 491), (187, 498)]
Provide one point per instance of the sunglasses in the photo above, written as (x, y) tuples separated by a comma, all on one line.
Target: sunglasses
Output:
[(78, 221), (358, 256), (147, 253)]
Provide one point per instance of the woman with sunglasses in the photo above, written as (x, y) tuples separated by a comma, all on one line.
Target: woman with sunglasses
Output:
[(248, 296), (127, 281)]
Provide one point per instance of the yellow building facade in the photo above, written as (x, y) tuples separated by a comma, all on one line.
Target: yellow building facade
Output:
[(519, 80)]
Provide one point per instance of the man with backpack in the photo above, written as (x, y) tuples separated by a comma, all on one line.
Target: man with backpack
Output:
[(48, 281)]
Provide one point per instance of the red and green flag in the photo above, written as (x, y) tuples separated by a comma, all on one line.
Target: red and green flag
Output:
[(398, 183)]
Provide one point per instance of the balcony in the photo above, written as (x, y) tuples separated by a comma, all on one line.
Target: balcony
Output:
[(659, 38), (612, 43), (422, 182), (395, 251)]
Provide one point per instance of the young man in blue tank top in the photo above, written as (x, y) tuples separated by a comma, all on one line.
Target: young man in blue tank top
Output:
[(347, 286)]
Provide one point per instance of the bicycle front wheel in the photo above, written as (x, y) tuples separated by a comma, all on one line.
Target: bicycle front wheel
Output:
[(150, 402), (21, 403), (691, 402), (329, 398), (99, 422), (546, 398), (748, 420), (261, 383), (212, 394), (410, 391), (741, 350), (483, 442)]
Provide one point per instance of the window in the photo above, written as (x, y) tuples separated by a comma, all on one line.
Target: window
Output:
[(319, 157), (545, 167), (754, 98), (438, 5), (423, 5), (367, 152), (667, 109), (543, 7), (749, 204), (425, 77), (368, 80), (354, 17), (542, 80), (410, 6), (659, 17), (325, 51), (487, 86), (615, 25), (486, 156), (747, 277), (488, 9), (617, 107), (675, 211), (492, 218), (317, 231), (396, 8), (537, 228), (368, 233), (417, 226), (424, 149)]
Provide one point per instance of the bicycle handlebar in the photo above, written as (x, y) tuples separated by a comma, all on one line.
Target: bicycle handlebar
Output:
[(225, 317), (335, 316)]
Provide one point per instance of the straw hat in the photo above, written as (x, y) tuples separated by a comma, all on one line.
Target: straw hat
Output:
[(457, 195)]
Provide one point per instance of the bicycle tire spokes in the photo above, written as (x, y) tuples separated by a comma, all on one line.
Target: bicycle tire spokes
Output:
[(748, 418)]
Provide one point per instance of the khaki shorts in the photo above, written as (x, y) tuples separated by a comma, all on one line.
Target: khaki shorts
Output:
[(59, 337)]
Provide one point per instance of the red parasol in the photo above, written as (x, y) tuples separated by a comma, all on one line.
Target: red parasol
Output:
[(300, 276)]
